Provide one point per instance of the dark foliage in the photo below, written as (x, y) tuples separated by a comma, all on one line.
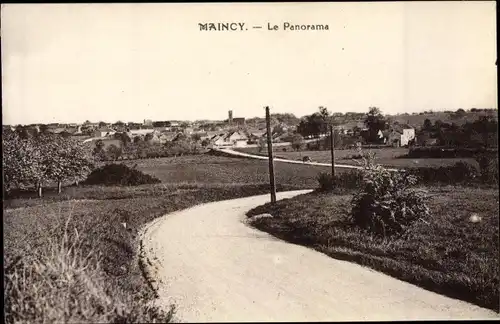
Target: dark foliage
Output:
[(119, 174), (446, 152), (346, 180), (460, 172)]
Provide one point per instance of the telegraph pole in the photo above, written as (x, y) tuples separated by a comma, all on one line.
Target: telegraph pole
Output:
[(332, 148), (270, 154)]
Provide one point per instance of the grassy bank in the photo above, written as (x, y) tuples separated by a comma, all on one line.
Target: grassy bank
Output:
[(446, 254)]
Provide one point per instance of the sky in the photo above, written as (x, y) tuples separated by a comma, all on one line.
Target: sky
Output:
[(130, 62)]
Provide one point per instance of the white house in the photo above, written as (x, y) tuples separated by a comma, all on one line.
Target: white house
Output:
[(137, 132), (235, 138), (401, 137)]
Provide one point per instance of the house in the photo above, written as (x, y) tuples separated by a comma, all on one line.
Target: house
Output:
[(188, 130), (103, 132), (235, 138), (55, 130), (401, 136), (140, 132), (424, 139), (74, 130)]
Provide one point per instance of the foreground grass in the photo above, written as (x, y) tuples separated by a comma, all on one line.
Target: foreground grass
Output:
[(448, 254), (88, 269), (391, 157)]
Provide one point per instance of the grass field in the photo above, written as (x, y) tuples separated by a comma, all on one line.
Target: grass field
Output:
[(391, 157), (449, 255), (222, 170)]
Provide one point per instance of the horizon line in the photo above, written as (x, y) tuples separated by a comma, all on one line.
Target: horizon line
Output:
[(431, 111)]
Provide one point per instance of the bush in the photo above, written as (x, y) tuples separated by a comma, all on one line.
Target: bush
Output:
[(351, 179), (446, 152), (325, 181), (460, 172), (488, 166), (356, 157), (386, 205), (119, 174)]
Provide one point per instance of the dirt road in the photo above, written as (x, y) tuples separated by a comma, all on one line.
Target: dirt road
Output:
[(216, 268), (260, 157)]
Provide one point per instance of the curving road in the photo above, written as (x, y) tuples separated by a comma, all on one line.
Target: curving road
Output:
[(215, 268), (252, 156)]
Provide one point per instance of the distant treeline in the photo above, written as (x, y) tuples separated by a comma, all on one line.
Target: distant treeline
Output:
[(482, 133)]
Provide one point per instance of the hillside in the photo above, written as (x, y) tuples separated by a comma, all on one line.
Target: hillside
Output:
[(417, 119)]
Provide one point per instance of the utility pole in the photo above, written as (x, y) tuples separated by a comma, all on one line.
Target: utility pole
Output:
[(270, 154), (332, 148)]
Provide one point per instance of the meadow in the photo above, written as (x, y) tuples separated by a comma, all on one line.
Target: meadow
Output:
[(390, 157), (206, 168)]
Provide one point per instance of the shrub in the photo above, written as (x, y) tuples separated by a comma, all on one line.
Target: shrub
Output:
[(351, 179), (488, 168), (385, 204), (325, 181), (447, 152), (458, 173), (119, 174)]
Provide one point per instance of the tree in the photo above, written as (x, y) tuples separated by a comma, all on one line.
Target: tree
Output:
[(205, 142), (297, 142), (124, 138), (44, 128), (63, 159), (312, 125), (102, 124), (21, 161), (375, 122), (137, 139), (196, 137), (427, 125), (114, 152), (323, 111), (23, 132), (98, 151), (148, 137)]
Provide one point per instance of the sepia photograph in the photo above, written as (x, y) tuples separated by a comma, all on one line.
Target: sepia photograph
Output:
[(250, 162)]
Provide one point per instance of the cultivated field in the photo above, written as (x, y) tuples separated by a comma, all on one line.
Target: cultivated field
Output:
[(447, 253), (208, 169), (391, 157)]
